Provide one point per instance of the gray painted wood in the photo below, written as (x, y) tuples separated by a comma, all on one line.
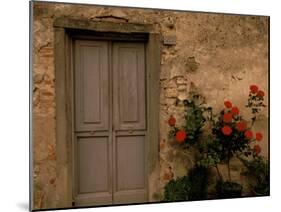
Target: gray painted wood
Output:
[(129, 114), (130, 162), (92, 87), (129, 86), (93, 165), (92, 146), (110, 149)]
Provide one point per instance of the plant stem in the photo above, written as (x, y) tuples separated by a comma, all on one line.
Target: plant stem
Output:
[(218, 172), (253, 121)]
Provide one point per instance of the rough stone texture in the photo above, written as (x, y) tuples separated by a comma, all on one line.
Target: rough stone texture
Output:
[(220, 55)]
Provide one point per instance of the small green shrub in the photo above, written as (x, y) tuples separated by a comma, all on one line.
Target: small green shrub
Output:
[(177, 190), (198, 178), (194, 186), (258, 170)]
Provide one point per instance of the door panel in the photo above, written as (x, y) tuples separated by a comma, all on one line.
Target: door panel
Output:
[(130, 158), (93, 165), (129, 86), (94, 181), (92, 87)]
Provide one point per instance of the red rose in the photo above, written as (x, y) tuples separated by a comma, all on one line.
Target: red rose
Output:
[(254, 88), (227, 117), (180, 136), (260, 93), (227, 104), (226, 130), (248, 134), (259, 136), (241, 126), (172, 121), (257, 149), (234, 111)]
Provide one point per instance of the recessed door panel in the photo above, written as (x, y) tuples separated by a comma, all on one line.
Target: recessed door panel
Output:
[(130, 159), (129, 86), (92, 85), (93, 165)]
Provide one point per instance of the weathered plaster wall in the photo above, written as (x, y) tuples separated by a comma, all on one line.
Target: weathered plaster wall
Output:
[(220, 55)]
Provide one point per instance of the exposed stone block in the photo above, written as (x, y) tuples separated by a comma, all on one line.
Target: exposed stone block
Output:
[(171, 92)]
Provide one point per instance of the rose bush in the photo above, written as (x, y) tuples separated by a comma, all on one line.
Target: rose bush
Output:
[(231, 135)]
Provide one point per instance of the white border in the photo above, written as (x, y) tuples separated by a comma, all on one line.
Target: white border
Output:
[(14, 104)]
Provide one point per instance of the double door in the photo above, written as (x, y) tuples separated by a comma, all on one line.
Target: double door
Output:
[(110, 145)]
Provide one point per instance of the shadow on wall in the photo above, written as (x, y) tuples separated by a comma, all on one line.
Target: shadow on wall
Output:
[(23, 206)]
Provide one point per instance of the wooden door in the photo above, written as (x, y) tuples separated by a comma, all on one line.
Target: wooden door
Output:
[(110, 148), (129, 121), (93, 145)]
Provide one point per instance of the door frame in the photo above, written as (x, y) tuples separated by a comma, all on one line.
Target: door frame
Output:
[(64, 30)]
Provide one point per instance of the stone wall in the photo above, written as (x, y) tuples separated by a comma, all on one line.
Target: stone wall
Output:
[(220, 55)]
